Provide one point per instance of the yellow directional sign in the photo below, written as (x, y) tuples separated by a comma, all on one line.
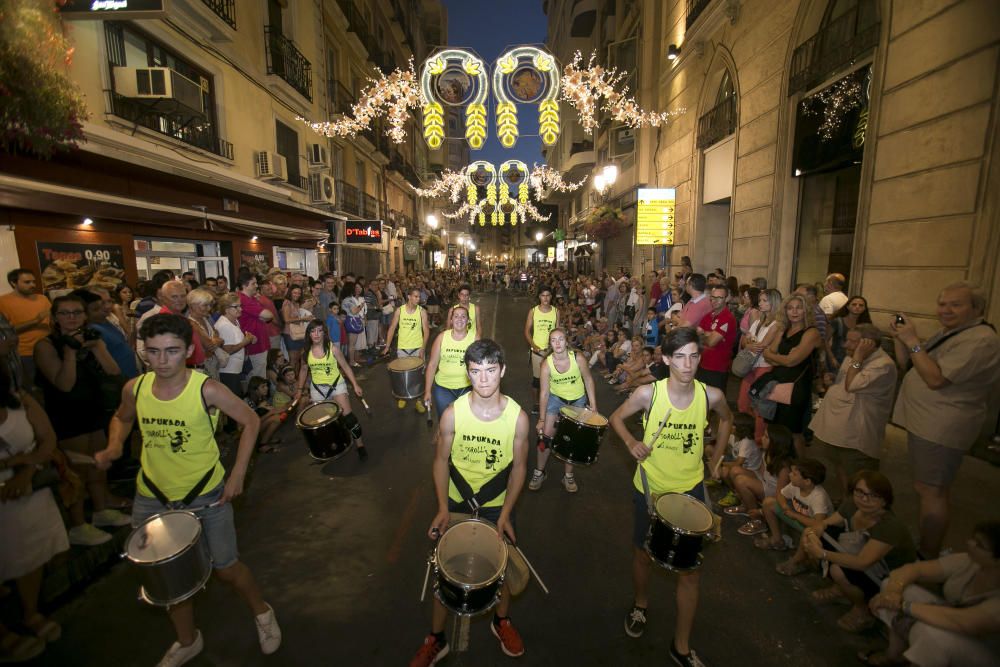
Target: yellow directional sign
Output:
[(654, 220)]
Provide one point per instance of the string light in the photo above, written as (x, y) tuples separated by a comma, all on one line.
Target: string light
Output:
[(837, 101), (586, 89), (544, 176)]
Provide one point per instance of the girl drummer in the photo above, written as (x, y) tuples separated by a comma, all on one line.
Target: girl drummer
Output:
[(446, 378), (565, 379), (324, 372)]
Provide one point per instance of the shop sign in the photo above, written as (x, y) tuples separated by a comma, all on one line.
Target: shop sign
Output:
[(366, 232), (452, 249), (411, 250), (561, 251), (654, 221), (550, 253), (69, 266), (255, 261), (114, 9)]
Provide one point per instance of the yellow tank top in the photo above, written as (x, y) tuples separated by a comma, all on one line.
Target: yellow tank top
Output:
[(411, 333), (675, 466), (569, 385), (542, 326), (451, 364), (324, 370), (472, 315), (178, 439), (481, 449)]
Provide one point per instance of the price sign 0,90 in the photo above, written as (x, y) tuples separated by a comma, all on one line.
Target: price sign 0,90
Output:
[(654, 224)]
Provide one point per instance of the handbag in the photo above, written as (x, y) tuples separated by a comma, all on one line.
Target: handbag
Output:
[(744, 362), (297, 330), (354, 324)]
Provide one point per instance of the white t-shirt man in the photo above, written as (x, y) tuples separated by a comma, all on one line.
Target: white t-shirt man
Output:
[(832, 302)]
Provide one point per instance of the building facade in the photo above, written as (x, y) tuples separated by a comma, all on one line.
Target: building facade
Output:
[(195, 157)]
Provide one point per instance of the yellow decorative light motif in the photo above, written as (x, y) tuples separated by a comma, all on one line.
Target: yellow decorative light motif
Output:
[(498, 184), (529, 73), (454, 77)]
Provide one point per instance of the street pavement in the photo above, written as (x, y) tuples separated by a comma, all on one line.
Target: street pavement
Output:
[(340, 550)]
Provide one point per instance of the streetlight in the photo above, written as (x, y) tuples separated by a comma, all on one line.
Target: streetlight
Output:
[(604, 179), (432, 221), (539, 236)]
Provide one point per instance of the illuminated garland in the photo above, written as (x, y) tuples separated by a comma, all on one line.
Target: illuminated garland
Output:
[(475, 111), (542, 64), (450, 184), (390, 95), (837, 101), (544, 176), (587, 89)]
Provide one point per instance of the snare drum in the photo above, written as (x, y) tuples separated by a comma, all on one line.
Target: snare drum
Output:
[(676, 532), (578, 435), (324, 431), (406, 376), (172, 555), (469, 564)]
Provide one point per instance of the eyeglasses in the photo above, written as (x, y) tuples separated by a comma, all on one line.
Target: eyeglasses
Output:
[(866, 495), (70, 313)]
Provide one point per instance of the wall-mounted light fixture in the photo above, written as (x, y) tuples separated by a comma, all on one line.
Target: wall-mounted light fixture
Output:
[(87, 222), (253, 239), (673, 51)]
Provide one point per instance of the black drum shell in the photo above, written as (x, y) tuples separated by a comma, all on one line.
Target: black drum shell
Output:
[(329, 440), (577, 443)]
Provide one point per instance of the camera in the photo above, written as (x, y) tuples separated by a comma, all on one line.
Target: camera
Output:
[(90, 334)]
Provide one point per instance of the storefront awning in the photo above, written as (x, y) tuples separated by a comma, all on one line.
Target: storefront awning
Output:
[(37, 195)]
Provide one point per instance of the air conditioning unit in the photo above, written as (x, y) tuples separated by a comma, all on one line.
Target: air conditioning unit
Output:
[(271, 165), (160, 85), (317, 156), (322, 189)]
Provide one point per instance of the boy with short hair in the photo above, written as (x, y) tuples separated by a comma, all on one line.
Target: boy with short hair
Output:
[(802, 503)]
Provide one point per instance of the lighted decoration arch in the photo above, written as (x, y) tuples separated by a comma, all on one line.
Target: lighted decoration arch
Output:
[(454, 77), (482, 174), (525, 75), (513, 174)]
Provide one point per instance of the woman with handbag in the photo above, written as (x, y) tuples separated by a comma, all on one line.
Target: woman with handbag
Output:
[(760, 335), (791, 355), (73, 362), (200, 302), (31, 528), (354, 308), (296, 318)]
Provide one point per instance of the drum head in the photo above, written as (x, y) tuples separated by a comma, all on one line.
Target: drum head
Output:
[(404, 364), (583, 416), (471, 553), (684, 513), (318, 414), (162, 536)]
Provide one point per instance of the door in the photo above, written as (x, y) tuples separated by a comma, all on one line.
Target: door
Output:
[(207, 267)]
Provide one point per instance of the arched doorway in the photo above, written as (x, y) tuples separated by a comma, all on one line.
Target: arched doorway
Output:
[(716, 141)]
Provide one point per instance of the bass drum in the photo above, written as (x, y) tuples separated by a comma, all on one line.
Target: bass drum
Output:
[(406, 376), (677, 532), (323, 428), (470, 560), (171, 553), (578, 435)]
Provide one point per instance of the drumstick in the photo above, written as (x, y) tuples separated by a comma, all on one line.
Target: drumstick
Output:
[(427, 574), (80, 459), (368, 410), (430, 418), (642, 469), (531, 568)]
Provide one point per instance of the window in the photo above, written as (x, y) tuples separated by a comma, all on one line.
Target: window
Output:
[(287, 144), (338, 162), (359, 174), (827, 218)]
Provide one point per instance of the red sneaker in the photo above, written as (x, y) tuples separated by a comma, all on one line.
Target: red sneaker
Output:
[(431, 651), (510, 640)]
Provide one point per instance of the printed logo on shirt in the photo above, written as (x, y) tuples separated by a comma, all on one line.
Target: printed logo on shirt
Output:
[(677, 438), (173, 434)]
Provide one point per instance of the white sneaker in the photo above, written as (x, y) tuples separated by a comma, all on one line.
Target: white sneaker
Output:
[(569, 483), (537, 477), (87, 535), (178, 655), (268, 631), (111, 518)]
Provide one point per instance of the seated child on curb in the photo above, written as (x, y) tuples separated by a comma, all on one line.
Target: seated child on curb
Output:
[(803, 502), (779, 451), (743, 458), (284, 388), (258, 391)]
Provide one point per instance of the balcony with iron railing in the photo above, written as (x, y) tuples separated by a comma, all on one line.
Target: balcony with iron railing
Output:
[(198, 133), (839, 43), (717, 123), (369, 206), (348, 198), (694, 10), (286, 61), (224, 9), (341, 99)]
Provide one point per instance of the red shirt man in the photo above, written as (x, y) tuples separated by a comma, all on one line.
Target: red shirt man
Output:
[(720, 329)]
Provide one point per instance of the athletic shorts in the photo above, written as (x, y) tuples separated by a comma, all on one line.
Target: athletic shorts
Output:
[(323, 392), (555, 403)]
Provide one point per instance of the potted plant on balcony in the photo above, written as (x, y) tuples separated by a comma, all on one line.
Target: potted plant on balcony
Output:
[(433, 244), (605, 222)]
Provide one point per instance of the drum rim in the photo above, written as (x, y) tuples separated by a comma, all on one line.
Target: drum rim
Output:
[(313, 427), (461, 612), (194, 591), (422, 364), (683, 531), (152, 563), (469, 587), (593, 427)]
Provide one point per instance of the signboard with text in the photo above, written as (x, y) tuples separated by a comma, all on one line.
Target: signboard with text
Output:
[(654, 220), (255, 261), (366, 232), (114, 9), (68, 266), (561, 251), (411, 250)]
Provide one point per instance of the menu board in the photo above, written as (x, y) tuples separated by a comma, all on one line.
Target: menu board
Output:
[(654, 220), (411, 250), (69, 266)]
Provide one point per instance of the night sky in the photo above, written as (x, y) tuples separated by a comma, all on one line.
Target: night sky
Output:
[(488, 29)]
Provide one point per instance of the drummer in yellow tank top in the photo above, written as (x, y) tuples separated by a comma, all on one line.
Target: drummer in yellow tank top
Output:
[(474, 311), (173, 406), (542, 319), (565, 379), (483, 434), (673, 464), (414, 332), (446, 379)]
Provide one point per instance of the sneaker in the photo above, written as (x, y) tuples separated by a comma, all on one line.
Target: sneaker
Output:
[(537, 477), (87, 535), (268, 632), (430, 652), (689, 660), (635, 622), (179, 655), (510, 639), (729, 500), (400, 404), (420, 407), (569, 483), (111, 519)]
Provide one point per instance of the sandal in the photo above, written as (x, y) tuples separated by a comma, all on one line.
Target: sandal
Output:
[(19, 648), (856, 621), (754, 527), (828, 594), (880, 659), (763, 541), (790, 568), (45, 629), (736, 510)]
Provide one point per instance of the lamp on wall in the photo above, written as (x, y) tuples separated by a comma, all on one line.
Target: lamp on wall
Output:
[(673, 51)]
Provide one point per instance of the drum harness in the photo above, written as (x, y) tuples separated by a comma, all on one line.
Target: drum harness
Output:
[(487, 492)]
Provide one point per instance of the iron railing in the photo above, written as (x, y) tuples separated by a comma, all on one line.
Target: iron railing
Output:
[(694, 10), (717, 123), (224, 9), (285, 60), (369, 206), (348, 198), (196, 132), (837, 44)]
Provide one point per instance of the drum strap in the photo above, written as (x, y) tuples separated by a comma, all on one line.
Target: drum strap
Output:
[(487, 492), (329, 390), (186, 500)]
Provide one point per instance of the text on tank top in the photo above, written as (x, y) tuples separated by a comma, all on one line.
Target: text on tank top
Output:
[(675, 465), (323, 371), (482, 449), (451, 373), (411, 332), (542, 326), (569, 385)]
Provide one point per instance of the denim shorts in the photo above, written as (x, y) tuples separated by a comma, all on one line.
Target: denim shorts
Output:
[(552, 407), (217, 522), (641, 514), (323, 392), (443, 397)]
